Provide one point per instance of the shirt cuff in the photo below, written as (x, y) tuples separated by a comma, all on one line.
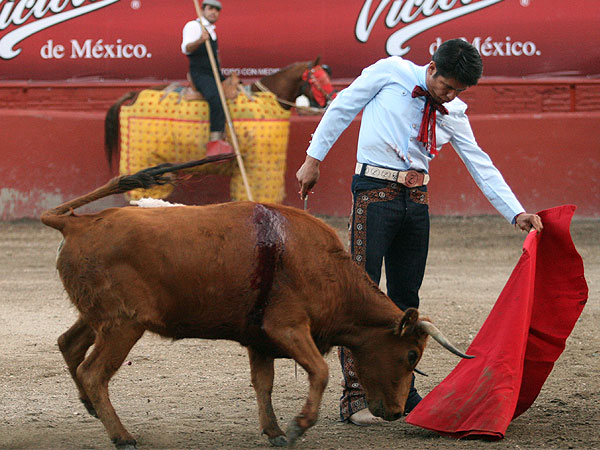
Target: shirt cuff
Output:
[(514, 221)]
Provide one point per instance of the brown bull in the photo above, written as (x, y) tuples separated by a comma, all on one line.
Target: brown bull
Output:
[(273, 278)]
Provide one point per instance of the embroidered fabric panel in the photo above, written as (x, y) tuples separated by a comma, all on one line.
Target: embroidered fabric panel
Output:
[(353, 396), (422, 198), (359, 219)]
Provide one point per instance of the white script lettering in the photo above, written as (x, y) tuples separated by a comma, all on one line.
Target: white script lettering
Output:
[(407, 12), (18, 12)]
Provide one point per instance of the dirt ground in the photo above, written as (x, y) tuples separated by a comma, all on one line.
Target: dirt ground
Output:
[(197, 394)]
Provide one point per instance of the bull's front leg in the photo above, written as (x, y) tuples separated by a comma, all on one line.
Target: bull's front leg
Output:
[(262, 373), (297, 342)]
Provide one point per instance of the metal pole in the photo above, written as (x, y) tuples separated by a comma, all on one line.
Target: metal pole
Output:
[(217, 76)]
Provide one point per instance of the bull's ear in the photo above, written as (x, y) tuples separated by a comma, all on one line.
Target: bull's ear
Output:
[(408, 322)]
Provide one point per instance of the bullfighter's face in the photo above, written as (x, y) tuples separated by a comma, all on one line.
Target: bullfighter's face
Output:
[(442, 89)]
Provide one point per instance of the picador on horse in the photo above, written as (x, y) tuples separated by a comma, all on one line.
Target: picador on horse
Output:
[(195, 35), (155, 126), (202, 76)]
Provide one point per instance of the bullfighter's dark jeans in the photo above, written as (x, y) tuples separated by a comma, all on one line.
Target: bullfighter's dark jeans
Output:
[(389, 222), (205, 83)]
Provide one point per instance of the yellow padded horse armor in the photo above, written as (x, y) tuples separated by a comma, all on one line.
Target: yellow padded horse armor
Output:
[(160, 127)]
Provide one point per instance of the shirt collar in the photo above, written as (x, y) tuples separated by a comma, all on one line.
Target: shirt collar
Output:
[(210, 27)]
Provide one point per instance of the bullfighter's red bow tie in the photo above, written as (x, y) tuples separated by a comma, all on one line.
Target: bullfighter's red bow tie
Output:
[(427, 130)]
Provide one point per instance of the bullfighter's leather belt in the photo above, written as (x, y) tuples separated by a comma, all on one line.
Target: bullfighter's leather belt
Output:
[(409, 178)]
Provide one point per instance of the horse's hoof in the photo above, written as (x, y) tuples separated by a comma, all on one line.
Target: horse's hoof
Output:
[(125, 445), (278, 441), (293, 432), (90, 409)]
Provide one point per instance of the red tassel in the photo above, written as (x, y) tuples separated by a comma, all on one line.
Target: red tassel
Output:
[(427, 130)]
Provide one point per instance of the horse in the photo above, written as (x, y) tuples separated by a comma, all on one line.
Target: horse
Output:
[(162, 125)]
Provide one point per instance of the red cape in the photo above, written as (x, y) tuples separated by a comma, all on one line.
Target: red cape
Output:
[(519, 342)]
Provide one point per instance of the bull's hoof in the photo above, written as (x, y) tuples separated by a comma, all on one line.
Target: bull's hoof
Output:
[(293, 432), (278, 441), (125, 445), (89, 407)]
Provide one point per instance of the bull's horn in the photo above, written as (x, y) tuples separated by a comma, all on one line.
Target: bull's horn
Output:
[(433, 331)]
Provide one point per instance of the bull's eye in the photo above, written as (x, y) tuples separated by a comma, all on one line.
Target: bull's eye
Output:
[(412, 357)]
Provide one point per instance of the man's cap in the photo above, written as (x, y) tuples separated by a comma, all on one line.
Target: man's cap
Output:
[(215, 3)]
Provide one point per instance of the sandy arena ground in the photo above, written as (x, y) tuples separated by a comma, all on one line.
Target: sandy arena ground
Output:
[(197, 394)]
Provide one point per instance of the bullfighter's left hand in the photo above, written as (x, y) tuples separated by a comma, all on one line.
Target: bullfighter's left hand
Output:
[(526, 222)]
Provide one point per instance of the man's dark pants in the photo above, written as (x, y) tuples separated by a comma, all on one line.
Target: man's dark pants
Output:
[(205, 83), (388, 221)]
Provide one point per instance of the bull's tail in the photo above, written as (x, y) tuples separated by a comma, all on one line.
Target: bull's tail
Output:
[(111, 126), (144, 179)]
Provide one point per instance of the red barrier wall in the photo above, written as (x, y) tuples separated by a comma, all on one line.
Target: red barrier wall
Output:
[(543, 138), (49, 157)]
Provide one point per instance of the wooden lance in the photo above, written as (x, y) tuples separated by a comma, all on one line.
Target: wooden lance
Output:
[(217, 76)]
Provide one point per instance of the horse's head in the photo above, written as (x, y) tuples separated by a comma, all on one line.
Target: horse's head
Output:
[(301, 78), (317, 84)]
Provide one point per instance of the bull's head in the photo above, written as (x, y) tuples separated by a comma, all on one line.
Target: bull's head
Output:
[(385, 366)]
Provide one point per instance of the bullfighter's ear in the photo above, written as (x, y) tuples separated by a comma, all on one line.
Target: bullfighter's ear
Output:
[(408, 322)]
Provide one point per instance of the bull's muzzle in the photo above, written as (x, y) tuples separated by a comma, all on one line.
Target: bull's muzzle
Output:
[(378, 409)]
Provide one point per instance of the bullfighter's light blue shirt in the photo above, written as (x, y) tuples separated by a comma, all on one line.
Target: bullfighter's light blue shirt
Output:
[(390, 124)]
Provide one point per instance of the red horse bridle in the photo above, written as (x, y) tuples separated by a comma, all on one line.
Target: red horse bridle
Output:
[(320, 85)]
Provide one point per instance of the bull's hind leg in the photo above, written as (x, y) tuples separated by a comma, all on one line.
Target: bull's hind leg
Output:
[(262, 373), (74, 344), (110, 349), (297, 342)]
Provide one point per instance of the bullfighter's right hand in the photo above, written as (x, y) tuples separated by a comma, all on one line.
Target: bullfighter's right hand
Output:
[(308, 175)]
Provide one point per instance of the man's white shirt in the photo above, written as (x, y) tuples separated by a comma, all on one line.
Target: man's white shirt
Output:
[(390, 125), (192, 31)]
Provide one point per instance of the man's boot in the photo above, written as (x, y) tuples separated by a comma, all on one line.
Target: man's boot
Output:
[(364, 418), (217, 145)]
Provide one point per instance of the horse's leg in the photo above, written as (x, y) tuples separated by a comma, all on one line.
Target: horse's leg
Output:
[(262, 372), (112, 345), (74, 344), (296, 341)]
